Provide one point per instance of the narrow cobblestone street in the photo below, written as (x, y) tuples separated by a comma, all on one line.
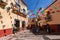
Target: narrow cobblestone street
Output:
[(27, 35), (29, 20)]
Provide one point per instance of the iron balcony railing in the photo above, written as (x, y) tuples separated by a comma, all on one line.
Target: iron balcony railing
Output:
[(19, 13)]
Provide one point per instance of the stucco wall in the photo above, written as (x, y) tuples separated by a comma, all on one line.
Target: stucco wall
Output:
[(56, 15), (7, 21)]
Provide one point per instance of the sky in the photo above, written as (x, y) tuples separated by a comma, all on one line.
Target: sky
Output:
[(34, 5)]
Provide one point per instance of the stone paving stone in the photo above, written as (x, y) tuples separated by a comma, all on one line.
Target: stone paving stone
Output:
[(53, 37), (25, 35), (13, 38)]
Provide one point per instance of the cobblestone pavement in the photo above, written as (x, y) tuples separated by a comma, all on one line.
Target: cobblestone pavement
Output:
[(25, 35)]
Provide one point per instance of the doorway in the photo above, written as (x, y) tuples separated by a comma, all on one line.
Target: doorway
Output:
[(16, 27), (23, 24)]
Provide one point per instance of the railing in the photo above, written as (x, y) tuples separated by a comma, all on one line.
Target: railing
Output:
[(20, 14), (2, 4)]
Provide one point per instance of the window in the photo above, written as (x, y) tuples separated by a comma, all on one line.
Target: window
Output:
[(4, 0), (23, 10), (58, 26), (17, 23), (23, 24)]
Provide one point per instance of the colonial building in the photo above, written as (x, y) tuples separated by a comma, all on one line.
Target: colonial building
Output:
[(54, 21), (13, 14), (55, 11)]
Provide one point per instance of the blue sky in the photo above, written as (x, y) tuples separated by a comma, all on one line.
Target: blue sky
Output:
[(36, 4)]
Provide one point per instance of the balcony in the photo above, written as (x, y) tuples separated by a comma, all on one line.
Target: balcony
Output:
[(2, 4), (20, 14)]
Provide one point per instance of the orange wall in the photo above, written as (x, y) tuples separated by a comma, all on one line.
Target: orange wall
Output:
[(56, 15)]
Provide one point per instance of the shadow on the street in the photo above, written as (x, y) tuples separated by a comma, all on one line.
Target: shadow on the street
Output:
[(42, 32)]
